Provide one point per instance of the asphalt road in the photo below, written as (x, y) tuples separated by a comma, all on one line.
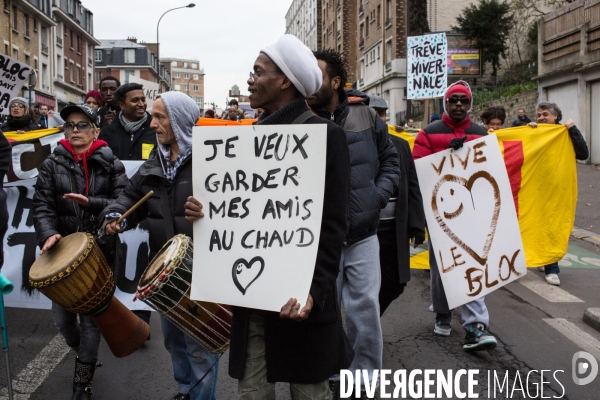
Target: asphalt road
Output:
[(538, 327)]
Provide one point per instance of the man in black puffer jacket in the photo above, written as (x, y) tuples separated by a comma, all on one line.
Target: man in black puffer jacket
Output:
[(375, 174), (130, 135)]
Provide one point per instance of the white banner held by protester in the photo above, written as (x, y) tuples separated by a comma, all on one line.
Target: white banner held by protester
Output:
[(262, 191), (13, 75), (426, 66), (471, 219), (150, 89)]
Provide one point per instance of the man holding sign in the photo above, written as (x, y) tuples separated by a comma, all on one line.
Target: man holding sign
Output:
[(304, 343), (453, 131)]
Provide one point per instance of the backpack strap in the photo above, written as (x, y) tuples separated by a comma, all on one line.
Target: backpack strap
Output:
[(305, 116)]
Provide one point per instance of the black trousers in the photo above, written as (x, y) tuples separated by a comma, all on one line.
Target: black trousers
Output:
[(391, 288)]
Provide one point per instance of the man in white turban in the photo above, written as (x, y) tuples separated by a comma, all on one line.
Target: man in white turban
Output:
[(305, 343)]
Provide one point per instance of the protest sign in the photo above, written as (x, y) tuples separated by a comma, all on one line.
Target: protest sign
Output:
[(13, 75), (151, 89), (262, 189), (426, 66), (471, 219)]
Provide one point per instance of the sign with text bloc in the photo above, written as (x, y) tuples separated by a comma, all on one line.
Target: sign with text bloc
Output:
[(471, 219), (262, 190)]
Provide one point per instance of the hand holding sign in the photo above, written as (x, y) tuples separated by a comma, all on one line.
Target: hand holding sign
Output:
[(193, 210), (290, 309)]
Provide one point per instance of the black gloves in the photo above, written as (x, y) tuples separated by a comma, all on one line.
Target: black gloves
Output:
[(457, 143), (417, 236)]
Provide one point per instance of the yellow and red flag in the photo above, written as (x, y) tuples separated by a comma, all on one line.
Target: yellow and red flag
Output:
[(543, 176)]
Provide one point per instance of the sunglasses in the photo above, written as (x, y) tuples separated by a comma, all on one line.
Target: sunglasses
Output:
[(81, 126), (463, 100)]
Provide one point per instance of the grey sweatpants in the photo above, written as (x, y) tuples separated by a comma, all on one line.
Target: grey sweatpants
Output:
[(473, 312), (358, 287)]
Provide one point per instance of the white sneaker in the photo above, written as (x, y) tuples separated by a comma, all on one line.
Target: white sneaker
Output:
[(552, 279)]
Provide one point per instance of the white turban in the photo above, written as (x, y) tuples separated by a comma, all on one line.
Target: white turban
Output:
[(297, 62)]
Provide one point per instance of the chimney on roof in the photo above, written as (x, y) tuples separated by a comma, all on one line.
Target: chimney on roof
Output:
[(132, 39)]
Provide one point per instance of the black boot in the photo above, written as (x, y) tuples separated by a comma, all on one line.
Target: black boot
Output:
[(82, 381)]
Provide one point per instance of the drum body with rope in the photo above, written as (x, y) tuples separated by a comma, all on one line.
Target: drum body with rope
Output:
[(165, 286), (75, 275)]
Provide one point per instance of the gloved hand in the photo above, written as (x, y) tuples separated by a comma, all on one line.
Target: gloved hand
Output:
[(457, 143), (417, 236)]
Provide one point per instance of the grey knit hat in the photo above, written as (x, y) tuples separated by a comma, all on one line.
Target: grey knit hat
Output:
[(20, 100)]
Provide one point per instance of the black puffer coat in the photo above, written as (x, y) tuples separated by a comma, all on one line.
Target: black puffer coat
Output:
[(151, 176), (60, 174), (127, 146), (25, 124), (375, 169)]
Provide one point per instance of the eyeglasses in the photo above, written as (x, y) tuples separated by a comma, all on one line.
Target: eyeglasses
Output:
[(81, 126), (17, 106), (253, 75), (463, 100)]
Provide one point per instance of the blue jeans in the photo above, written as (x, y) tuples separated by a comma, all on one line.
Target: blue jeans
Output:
[(82, 333), (552, 268), (473, 313), (190, 362)]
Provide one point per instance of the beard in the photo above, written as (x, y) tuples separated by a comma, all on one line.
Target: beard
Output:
[(322, 98)]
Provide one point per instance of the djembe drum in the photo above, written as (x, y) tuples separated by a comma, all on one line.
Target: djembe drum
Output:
[(75, 275), (165, 286)]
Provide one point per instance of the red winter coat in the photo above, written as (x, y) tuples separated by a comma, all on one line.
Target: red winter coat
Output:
[(436, 136)]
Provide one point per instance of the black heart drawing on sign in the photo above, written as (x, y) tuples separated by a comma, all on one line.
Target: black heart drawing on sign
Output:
[(244, 273), (481, 257)]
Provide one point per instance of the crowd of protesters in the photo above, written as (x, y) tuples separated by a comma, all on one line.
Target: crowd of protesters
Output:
[(372, 213)]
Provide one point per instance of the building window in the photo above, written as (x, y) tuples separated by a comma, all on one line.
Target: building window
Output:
[(129, 56), (27, 59), (128, 73), (186, 87), (98, 55), (177, 75), (177, 87), (35, 27), (196, 88), (15, 24), (97, 76), (194, 66), (15, 54), (7, 5), (186, 76), (388, 51), (78, 48), (378, 15), (195, 77), (367, 27), (26, 25), (184, 65), (173, 63), (72, 40), (79, 75)]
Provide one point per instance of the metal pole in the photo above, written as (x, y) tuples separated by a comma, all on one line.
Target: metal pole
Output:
[(5, 288)]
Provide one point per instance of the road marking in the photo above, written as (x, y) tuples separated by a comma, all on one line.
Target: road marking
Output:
[(576, 335), (38, 369), (551, 293)]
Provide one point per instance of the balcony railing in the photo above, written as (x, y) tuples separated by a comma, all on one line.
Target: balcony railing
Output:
[(59, 41), (45, 49)]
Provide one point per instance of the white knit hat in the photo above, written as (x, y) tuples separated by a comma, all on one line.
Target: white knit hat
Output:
[(297, 62)]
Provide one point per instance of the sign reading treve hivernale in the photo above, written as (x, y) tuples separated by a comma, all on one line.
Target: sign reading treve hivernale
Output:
[(262, 193), (13, 76), (471, 219), (426, 66)]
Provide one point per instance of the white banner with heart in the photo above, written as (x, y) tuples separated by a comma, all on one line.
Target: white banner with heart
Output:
[(471, 219), (262, 193)]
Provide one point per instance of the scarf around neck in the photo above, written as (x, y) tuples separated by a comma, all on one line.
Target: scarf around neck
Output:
[(19, 123), (83, 157), (132, 127)]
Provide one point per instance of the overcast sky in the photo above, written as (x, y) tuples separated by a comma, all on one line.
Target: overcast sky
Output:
[(225, 36)]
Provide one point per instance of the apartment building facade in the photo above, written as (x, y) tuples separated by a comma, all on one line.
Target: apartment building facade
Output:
[(123, 58), (26, 29), (73, 41), (186, 77), (339, 31), (303, 20)]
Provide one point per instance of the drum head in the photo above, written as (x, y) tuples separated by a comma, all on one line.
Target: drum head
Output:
[(66, 252), (164, 257)]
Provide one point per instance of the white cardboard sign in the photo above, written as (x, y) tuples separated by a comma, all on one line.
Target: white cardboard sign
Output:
[(471, 219), (426, 66), (13, 75), (262, 190)]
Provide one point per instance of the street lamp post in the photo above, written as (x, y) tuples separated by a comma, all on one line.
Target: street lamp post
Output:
[(191, 5)]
